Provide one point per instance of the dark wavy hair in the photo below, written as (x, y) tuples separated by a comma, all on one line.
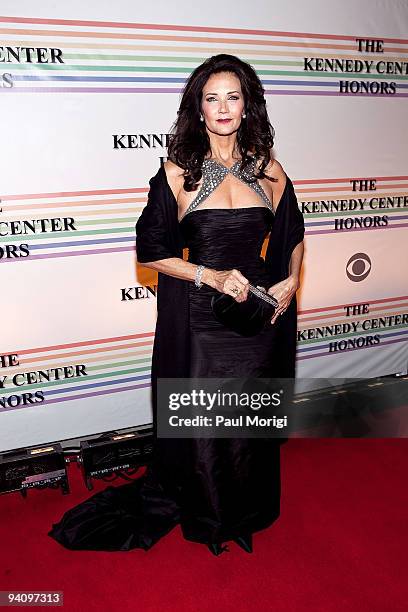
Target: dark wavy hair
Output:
[(188, 139)]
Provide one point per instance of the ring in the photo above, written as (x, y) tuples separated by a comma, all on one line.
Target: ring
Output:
[(235, 290)]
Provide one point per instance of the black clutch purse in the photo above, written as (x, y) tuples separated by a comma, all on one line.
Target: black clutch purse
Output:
[(245, 318)]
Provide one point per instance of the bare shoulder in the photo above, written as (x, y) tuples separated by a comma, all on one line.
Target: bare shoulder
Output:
[(275, 170), (175, 176), (172, 169)]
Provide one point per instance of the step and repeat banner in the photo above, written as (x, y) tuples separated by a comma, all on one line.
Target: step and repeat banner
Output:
[(88, 95)]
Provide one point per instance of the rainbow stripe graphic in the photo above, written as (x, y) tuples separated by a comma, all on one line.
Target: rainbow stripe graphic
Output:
[(323, 319), (119, 57), (113, 365), (105, 218), (389, 198)]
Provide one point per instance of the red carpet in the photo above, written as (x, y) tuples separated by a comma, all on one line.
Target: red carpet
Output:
[(340, 544)]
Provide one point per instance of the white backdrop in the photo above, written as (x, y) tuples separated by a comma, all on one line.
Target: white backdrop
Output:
[(67, 302)]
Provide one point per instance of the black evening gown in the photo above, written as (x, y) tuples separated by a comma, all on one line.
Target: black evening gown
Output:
[(215, 489), (236, 489)]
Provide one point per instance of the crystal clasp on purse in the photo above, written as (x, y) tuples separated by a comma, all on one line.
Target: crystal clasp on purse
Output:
[(261, 293)]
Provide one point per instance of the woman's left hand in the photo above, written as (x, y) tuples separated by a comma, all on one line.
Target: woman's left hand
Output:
[(283, 292)]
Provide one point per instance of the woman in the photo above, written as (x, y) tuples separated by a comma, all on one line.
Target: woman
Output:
[(220, 194)]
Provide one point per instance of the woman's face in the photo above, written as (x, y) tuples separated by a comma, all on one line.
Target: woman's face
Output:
[(222, 100)]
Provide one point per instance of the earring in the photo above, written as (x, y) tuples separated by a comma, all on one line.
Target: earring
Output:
[(201, 118), (243, 115)]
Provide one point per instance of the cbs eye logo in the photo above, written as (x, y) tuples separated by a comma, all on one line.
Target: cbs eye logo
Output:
[(358, 267)]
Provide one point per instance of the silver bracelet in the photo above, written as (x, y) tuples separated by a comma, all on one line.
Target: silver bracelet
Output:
[(198, 275)]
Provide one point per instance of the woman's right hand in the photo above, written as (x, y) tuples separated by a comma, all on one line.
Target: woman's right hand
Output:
[(231, 282)]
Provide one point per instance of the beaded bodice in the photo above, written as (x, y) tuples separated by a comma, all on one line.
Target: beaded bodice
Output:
[(214, 173)]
